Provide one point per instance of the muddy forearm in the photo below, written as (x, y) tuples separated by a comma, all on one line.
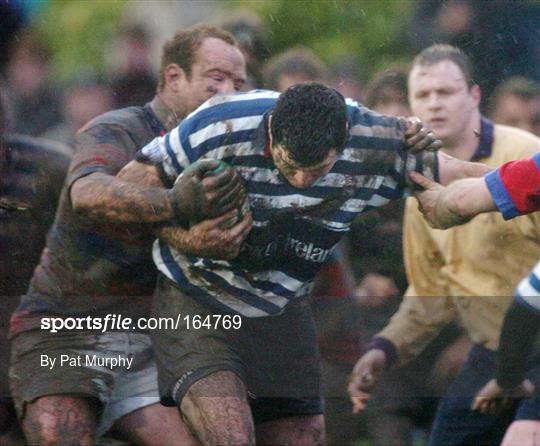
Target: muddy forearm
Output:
[(462, 200), (451, 169), (107, 198)]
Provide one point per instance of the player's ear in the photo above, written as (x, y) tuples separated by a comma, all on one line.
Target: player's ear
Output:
[(174, 76), (476, 95)]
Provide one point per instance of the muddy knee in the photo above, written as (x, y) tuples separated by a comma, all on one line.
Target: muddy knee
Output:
[(59, 420)]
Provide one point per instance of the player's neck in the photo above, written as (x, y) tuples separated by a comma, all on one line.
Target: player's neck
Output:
[(464, 145), (164, 111)]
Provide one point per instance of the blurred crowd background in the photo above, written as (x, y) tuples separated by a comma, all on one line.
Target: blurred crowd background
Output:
[(63, 62)]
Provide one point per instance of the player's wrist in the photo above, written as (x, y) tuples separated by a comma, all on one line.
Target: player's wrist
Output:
[(178, 214), (387, 347)]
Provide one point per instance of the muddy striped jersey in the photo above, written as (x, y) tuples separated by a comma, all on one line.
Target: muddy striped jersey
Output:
[(294, 230)]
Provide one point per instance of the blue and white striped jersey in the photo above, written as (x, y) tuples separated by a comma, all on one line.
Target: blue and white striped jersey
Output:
[(294, 230), (528, 290)]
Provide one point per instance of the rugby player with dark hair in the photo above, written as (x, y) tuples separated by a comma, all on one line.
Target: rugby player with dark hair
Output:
[(311, 161)]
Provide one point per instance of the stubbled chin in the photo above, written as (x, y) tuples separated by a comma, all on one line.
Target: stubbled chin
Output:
[(440, 130), (437, 125)]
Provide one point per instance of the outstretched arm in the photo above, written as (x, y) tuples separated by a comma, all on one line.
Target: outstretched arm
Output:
[(444, 207), (137, 194), (97, 193), (419, 138), (104, 197), (513, 189), (452, 169)]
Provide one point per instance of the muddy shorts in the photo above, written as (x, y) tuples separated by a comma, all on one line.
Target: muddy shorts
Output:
[(116, 369), (276, 357)]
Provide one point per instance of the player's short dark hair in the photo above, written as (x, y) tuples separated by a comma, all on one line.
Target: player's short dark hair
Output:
[(182, 48), (440, 52), (521, 87), (309, 120)]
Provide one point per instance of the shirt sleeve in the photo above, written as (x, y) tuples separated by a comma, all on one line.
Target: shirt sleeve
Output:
[(425, 163), (383, 140), (102, 148), (425, 309), (515, 187), (417, 322)]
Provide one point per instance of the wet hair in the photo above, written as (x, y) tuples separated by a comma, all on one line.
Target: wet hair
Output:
[(295, 61), (389, 85), (308, 121), (440, 52), (182, 48), (521, 87)]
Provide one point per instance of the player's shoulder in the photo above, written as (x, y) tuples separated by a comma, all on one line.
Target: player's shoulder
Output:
[(366, 122), (128, 117), (514, 143)]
